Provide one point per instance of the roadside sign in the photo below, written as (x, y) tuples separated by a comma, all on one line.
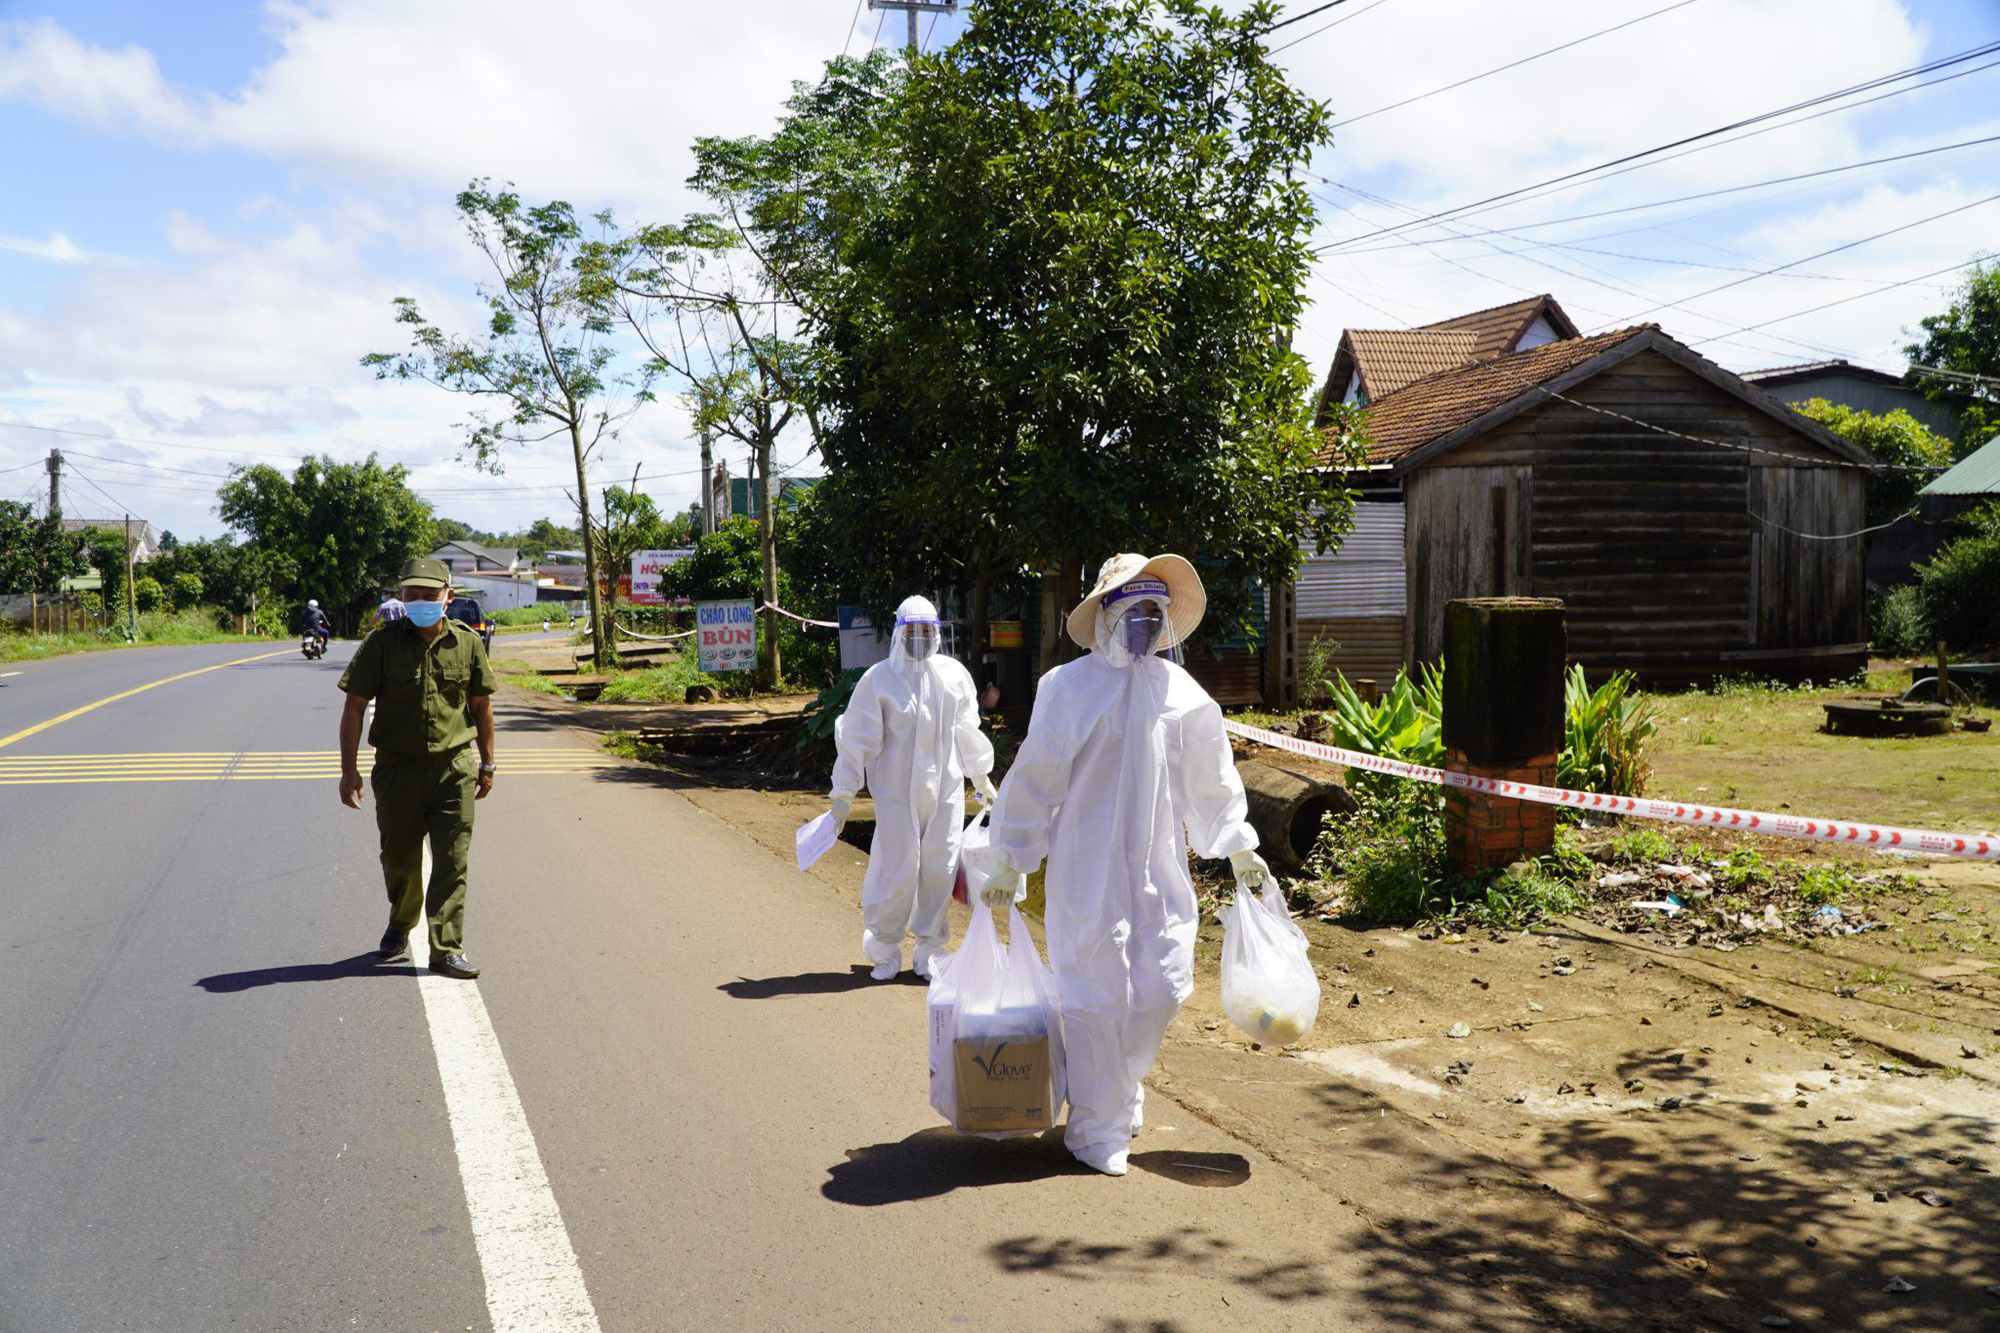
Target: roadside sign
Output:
[(647, 566), (728, 635)]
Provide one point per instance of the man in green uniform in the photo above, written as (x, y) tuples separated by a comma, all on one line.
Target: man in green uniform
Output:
[(433, 692)]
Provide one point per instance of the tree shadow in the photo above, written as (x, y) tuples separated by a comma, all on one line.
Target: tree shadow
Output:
[(813, 983), (368, 964), (1188, 1251), (934, 1162)]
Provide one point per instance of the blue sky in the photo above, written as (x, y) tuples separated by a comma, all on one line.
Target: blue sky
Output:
[(209, 206)]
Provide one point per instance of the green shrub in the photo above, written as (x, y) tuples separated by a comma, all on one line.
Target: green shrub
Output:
[(1745, 869), (185, 592), (1403, 724), (1390, 853), (1604, 735), (1527, 894), (1644, 845), (1826, 882), (147, 592), (1961, 584), (1898, 623), (530, 615)]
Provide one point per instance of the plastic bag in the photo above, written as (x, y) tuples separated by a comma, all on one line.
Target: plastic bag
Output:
[(996, 1034), (1269, 989), (976, 859)]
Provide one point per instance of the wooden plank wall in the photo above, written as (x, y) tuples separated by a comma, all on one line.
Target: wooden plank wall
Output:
[(1647, 537), (1467, 526), (1371, 647), (1234, 678)]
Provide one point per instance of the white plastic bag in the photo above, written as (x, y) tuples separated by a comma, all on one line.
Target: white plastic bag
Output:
[(996, 1034), (1269, 989), (976, 859)]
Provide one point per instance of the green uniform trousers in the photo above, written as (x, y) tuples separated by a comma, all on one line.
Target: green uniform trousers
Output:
[(428, 797)]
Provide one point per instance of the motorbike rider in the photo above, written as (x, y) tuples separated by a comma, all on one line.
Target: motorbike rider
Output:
[(317, 624)]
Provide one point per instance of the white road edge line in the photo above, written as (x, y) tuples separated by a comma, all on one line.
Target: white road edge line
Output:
[(533, 1281)]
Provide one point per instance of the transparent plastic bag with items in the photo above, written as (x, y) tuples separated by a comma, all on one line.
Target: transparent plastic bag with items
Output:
[(996, 1051), (1269, 989), (976, 860)]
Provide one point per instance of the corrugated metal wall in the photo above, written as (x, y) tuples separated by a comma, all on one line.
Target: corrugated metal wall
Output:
[(1357, 596)]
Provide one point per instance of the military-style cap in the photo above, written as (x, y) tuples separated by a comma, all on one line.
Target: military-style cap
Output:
[(424, 572)]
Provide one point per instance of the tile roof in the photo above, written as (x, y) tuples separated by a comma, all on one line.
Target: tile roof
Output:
[(1405, 421), (1389, 359), (1496, 329)]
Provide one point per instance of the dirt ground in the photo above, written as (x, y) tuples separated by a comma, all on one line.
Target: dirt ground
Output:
[(1630, 1133)]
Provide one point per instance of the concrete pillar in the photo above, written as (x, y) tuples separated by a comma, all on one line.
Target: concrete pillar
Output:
[(1503, 718)]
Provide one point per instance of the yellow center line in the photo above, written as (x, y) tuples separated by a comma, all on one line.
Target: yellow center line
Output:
[(6, 741)]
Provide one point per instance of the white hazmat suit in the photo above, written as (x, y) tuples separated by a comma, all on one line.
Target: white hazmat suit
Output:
[(911, 733), (1125, 767)]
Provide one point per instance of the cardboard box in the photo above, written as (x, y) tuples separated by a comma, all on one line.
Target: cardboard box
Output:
[(1003, 1085)]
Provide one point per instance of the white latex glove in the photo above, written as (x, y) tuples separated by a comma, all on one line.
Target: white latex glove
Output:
[(841, 805), (1006, 887), (983, 788), (1249, 869)]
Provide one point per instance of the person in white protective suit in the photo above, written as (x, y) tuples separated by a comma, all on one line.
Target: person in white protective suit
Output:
[(1124, 768), (911, 732)]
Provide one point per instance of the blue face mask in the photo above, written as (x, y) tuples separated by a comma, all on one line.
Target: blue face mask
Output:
[(424, 614)]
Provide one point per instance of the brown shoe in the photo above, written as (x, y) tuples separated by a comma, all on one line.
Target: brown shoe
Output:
[(454, 965)]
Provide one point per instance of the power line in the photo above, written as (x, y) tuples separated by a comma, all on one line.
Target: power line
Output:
[(157, 444), (1685, 198), (851, 25), (1572, 176), (1323, 27), (1738, 282), (1858, 296), (1513, 64), (1302, 17)]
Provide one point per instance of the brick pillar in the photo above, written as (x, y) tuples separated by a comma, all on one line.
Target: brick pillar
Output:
[(1503, 718)]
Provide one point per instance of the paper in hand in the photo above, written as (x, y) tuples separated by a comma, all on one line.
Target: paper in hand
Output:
[(815, 838)]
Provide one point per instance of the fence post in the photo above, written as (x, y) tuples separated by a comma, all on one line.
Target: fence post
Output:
[(1503, 718)]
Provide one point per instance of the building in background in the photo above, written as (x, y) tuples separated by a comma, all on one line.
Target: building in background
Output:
[(1858, 387)]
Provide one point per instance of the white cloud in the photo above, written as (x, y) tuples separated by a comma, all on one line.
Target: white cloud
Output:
[(56, 248)]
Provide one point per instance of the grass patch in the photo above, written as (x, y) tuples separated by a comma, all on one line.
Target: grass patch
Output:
[(666, 683), (1763, 742), (532, 680), (155, 629)]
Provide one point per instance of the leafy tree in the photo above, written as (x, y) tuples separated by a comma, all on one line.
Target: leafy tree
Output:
[(1961, 348), (185, 591), (340, 532), (104, 549), (233, 577), (147, 592), (546, 357), (36, 555), (451, 530), (1062, 327), (545, 535), (1895, 438), (1961, 584), (631, 522), (168, 541)]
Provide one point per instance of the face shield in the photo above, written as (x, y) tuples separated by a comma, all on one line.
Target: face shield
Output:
[(917, 639), (1137, 618)]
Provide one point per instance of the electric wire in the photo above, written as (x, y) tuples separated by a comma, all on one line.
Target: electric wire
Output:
[(1286, 46), (1572, 176), (1857, 296), (1512, 64), (852, 24), (1302, 17), (1771, 272)]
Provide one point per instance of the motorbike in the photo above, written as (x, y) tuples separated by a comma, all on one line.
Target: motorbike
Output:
[(312, 647)]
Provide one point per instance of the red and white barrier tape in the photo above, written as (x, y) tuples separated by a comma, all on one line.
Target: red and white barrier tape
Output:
[(816, 624), (1927, 841), (654, 638)]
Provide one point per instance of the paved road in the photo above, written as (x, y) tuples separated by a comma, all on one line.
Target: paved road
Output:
[(216, 1112)]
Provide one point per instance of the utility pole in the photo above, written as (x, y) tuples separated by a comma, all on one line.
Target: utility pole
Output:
[(131, 596), (55, 484), (911, 8), (707, 483)]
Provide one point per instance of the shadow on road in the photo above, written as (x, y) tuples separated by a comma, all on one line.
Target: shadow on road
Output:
[(813, 983), (1184, 1251), (1208, 1170), (934, 1162), (361, 965)]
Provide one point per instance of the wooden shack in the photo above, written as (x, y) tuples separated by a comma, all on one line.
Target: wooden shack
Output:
[(1695, 526)]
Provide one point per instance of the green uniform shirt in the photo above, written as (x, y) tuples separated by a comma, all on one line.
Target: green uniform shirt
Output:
[(422, 692)]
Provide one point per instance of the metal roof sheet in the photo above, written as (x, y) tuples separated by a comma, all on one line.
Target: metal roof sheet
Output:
[(1978, 474)]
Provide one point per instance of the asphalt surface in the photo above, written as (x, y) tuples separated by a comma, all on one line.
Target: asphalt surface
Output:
[(217, 1112)]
